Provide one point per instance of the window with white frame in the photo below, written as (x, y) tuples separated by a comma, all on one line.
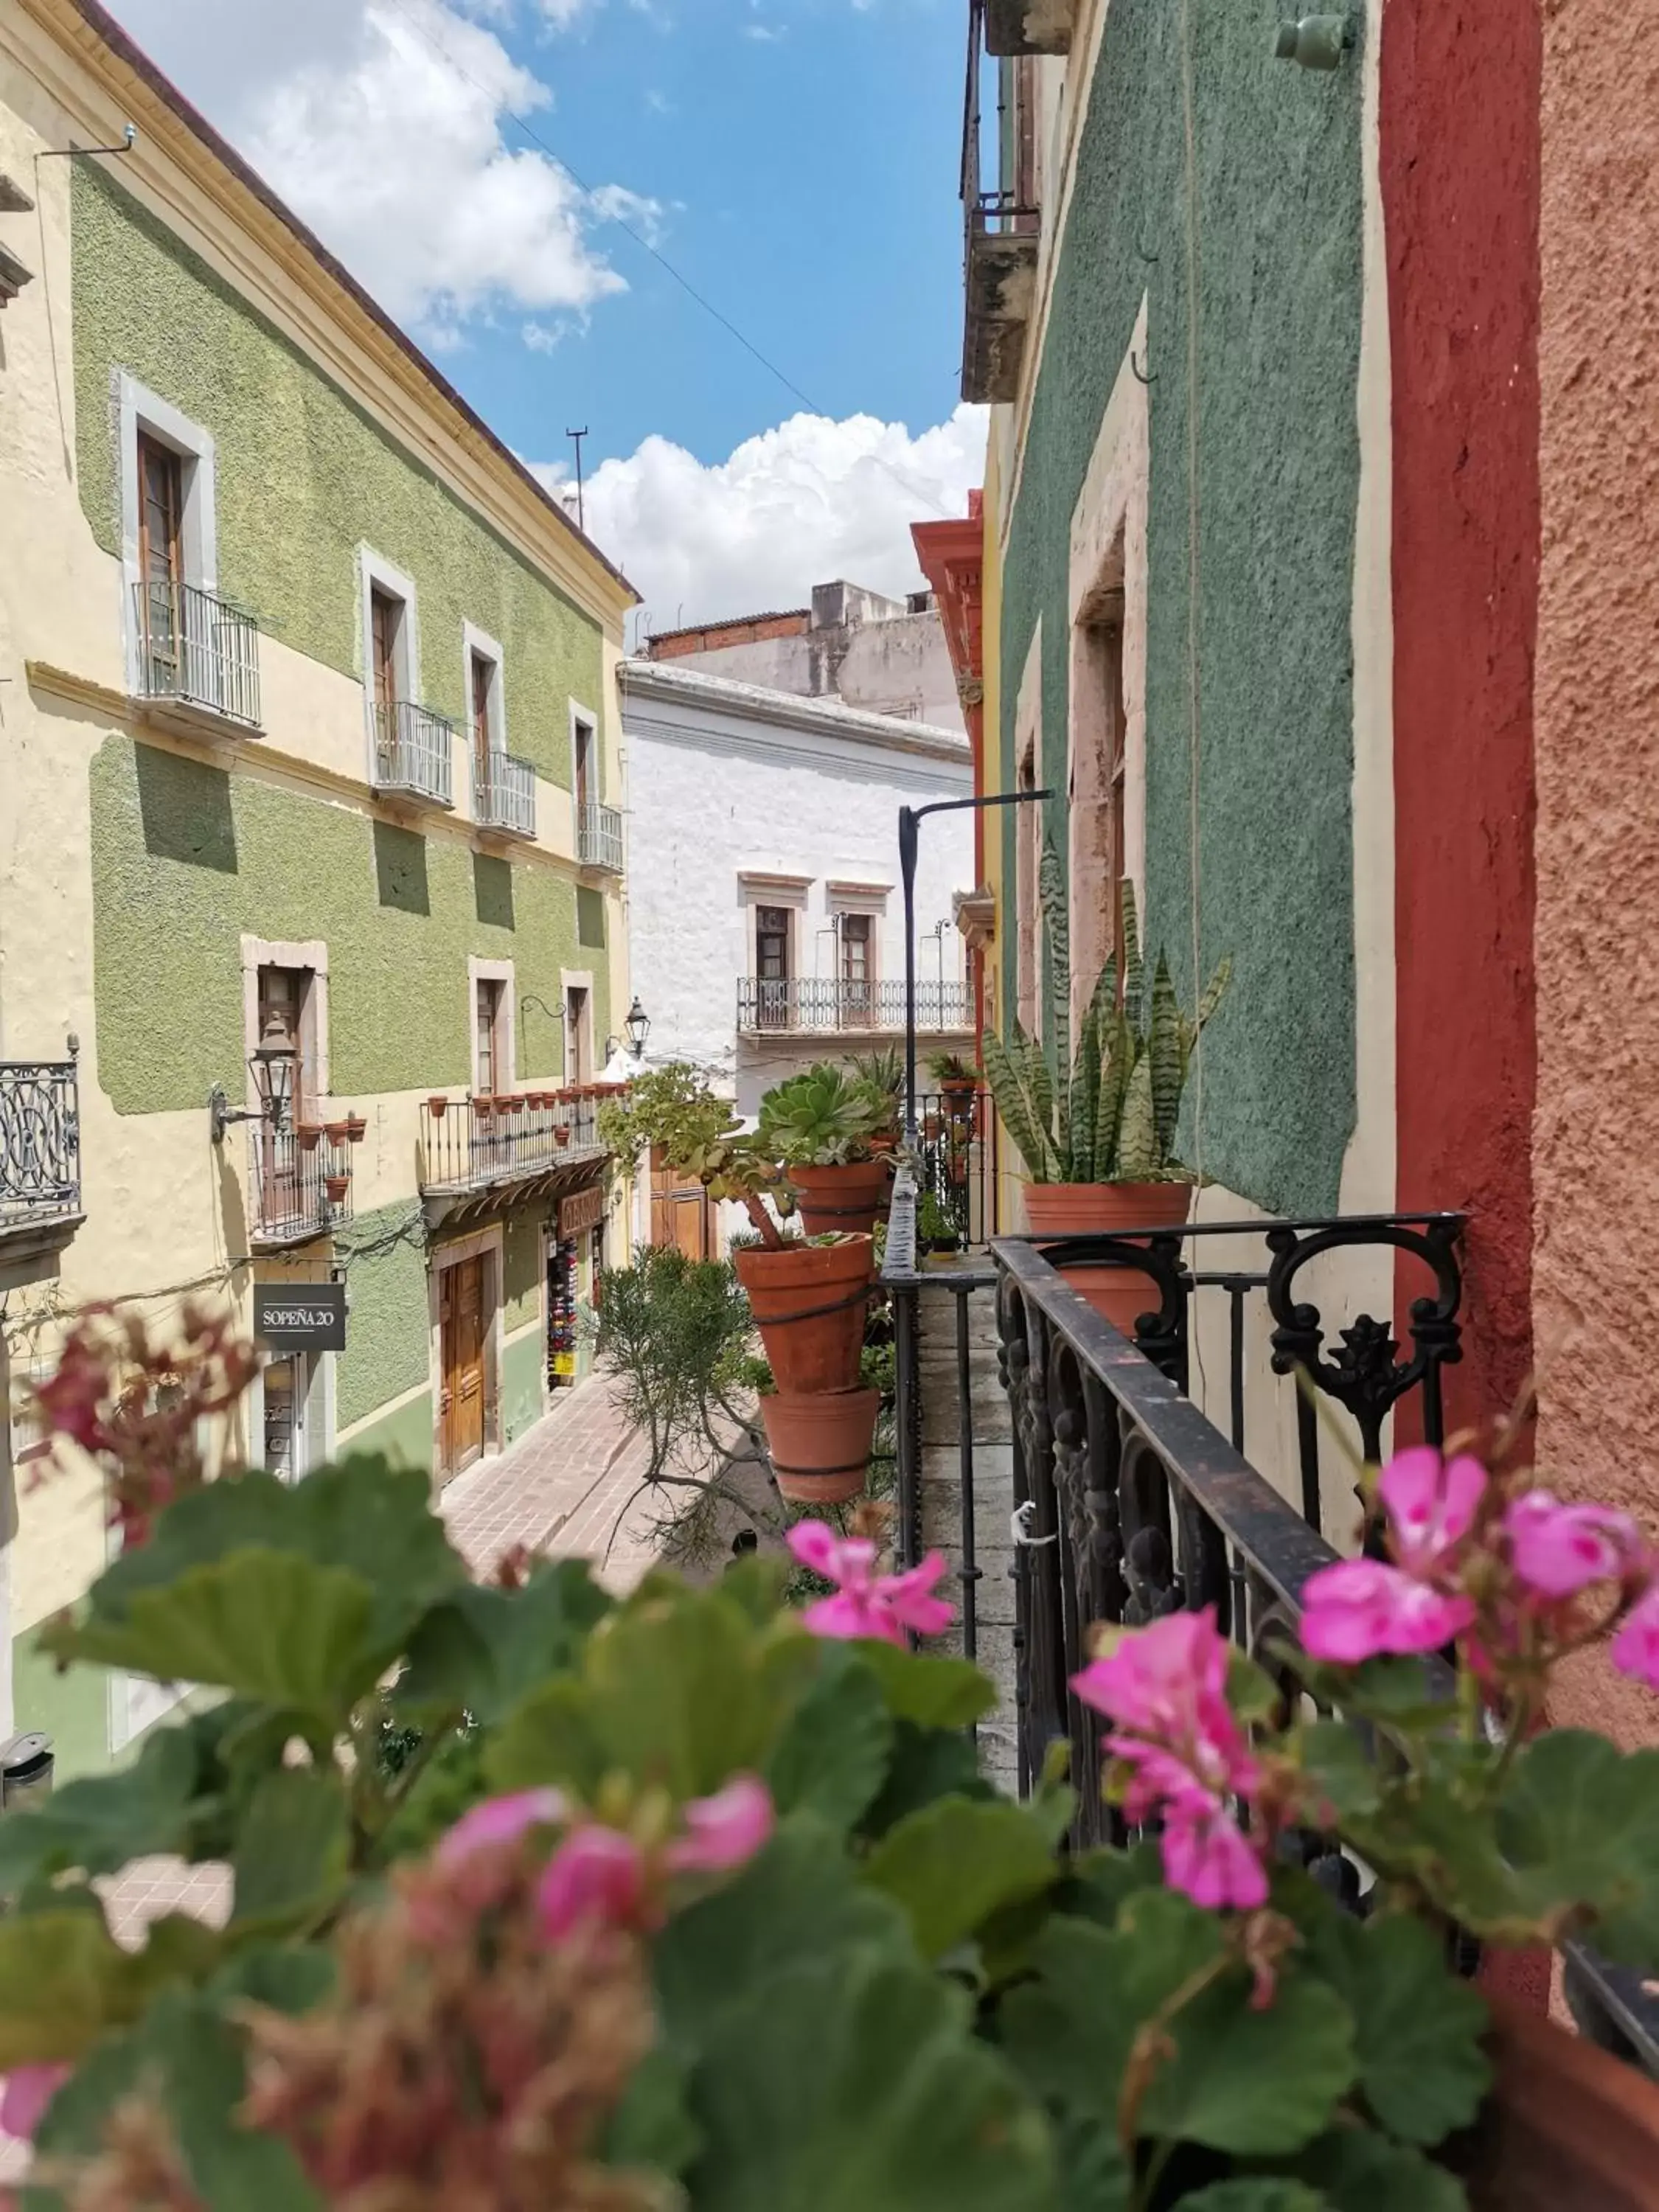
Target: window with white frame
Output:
[(486, 702), (392, 654), (169, 531)]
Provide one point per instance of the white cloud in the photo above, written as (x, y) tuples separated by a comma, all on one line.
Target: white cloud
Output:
[(801, 505), (382, 123)]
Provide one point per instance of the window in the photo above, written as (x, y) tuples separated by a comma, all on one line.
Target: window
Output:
[(490, 1064), (483, 690), (283, 1007), (1095, 793), (386, 621), (579, 1034), (1028, 858), (161, 557), (169, 539), (772, 966), (392, 662), (857, 968), (584, 765)]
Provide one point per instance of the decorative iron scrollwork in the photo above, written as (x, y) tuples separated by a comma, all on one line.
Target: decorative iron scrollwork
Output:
[(40, 1141)]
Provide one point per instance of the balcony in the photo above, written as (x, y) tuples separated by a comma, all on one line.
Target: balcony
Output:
[(813, 1006), (504, 794), (39, 1158), (999, 253), (301, 1183), (1029, 26), (599, 838), (199, 661), (412, 753), (474, 1150)]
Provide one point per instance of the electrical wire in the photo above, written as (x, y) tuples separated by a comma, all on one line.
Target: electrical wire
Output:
[(610, 214)]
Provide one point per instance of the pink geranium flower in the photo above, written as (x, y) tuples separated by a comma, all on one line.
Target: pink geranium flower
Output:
[(866, 1604), (598, 1874), (27, 2092), (1636, 1647), (501, 1820), (1185, 1755), (1359, 1607), (1430, 1504), (724, 1831), (1559, 1550)]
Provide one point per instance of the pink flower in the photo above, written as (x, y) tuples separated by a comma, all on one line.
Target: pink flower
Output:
[(1636, 1647), (29, 2091), (1185, 1753), (724, 1831), (597, 1873), (1430, 1504), (867, 1604), (1559, 1550), (1359, 1607), (501, 1820)]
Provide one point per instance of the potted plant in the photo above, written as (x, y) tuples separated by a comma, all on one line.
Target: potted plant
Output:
[(484, 1107), (823, 1127), (438, 1105), (884, 1071), (808, 1297), (309, 1134), (562, 1133), (337, 1132), (820, 1447), (953, 1075), (1096, 1142), (356, 1128), (726, 1869), (935, 1230), (337, 1187)]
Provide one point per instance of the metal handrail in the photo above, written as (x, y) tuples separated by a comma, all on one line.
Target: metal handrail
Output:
[(600, 837), (475, 1143), (817, 1003), (504, 793), (413, 751), (197, 649), (293, 1169)]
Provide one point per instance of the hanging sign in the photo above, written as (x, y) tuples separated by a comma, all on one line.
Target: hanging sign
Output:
[(301, 1317), (583, 1209)]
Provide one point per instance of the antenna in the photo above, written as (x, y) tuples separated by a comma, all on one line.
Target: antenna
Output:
[(582, 508)]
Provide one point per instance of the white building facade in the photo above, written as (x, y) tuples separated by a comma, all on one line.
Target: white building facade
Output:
[(766, 916)]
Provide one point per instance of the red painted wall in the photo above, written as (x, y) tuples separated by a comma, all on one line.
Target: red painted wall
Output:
[(1459, 178)]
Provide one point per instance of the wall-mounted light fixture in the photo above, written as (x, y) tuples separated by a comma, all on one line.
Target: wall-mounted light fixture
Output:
[(636, 1027), (271, 1064), (1315, 42)]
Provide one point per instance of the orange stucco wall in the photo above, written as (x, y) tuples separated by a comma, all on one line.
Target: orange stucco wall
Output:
[(1596, 1146)]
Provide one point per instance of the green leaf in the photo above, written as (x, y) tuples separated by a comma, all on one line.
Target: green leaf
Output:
[(1253, 2083), (1577, 1823), (796, 1900), (99, 1823), (483, 1649), (284, 1979), (270, 1626), (652, 2125), (190, 2060), (1356, 2171), (926, 1764), (1134, 970), (1336, 1762), (1099, 1883), (63, 1980), (857, 2081), (1137, 1144), (1164, 1056), (679, 1691), (1094, 2172), (1261, 2194), (832, 1757), (954, 1863), (294, 1857), (1418, 2027), (938, 1693)]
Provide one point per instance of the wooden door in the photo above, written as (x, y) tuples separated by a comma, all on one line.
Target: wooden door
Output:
[(772, 967), (579, 1061), (161, 557), (584, 768), (484, 675), (680, 1213), (857, 999), (461, 1337)]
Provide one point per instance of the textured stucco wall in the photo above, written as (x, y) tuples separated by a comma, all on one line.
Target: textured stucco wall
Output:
[(1279, 264), (303, 476), (1597, 711), (385, 1256), (900, 666), (187, 859)]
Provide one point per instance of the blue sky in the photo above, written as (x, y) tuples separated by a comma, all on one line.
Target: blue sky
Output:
[(795, 159)]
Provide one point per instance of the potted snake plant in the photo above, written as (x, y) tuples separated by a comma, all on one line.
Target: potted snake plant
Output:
[(1097, 1140)]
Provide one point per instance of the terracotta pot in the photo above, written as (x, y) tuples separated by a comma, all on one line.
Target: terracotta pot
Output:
[(356, 1128), (483, 1108), (562, 1136), (960, 1086), (1119, 1295), (437, 1105), (337, 1132), (511, 1104), (840, 1199), (820, 1446), (337, 1187), (1566, 2129), (809, 1302), (310, 1135)]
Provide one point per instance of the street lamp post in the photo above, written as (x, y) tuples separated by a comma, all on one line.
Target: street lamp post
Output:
[(909, 838)]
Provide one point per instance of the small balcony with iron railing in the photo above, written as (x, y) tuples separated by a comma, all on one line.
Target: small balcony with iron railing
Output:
[(823, 1005), (301, 1180), (39, 1157), (478, 1147), (197, 660), (1000, 254), (504, 794), (413, 753), (599, 837)]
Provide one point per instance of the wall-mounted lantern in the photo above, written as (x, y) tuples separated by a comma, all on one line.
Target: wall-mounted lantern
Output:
[(271, 1064)]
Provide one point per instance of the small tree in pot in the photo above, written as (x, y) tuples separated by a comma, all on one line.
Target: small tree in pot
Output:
[(1098, 1141)]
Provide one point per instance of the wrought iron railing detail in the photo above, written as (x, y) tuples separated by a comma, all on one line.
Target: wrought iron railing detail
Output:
[(40, 1142), (413, 751), (957, 1166), (476, 1143), (197, 650), (504, 793), (301, 1182), (599, 837), (815, 1005)]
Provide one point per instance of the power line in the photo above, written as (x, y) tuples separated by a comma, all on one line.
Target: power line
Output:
[(608, 215)]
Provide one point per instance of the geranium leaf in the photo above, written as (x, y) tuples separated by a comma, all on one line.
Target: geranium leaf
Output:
[(270, 1626), (857, 2080), (1417, 2027), (1335, 1761), (955, 1863), (99, 1823), (1255, 2083), (1263, 2193), (939, 1693), (1098, 1883), (926, 1764), (832, 1756), (1578, 1822), (1094, 2173), (1356, 2171), (63, 1980), (483, 1649), (293, 1855), (652, 2126)]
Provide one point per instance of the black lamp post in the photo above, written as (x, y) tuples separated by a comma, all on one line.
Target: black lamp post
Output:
[(908, 835), (271, 1064), (638, 1026)]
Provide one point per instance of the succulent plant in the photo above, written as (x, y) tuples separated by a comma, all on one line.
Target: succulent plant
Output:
[(823, 1118), (1110, 1116)]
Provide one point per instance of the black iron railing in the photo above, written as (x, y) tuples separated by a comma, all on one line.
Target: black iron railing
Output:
[(197, 650), (817, 1003), (1125, 1501), (40, 1142), (956, 1168), (473, 1143), (413, 751), (301, 1181)]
